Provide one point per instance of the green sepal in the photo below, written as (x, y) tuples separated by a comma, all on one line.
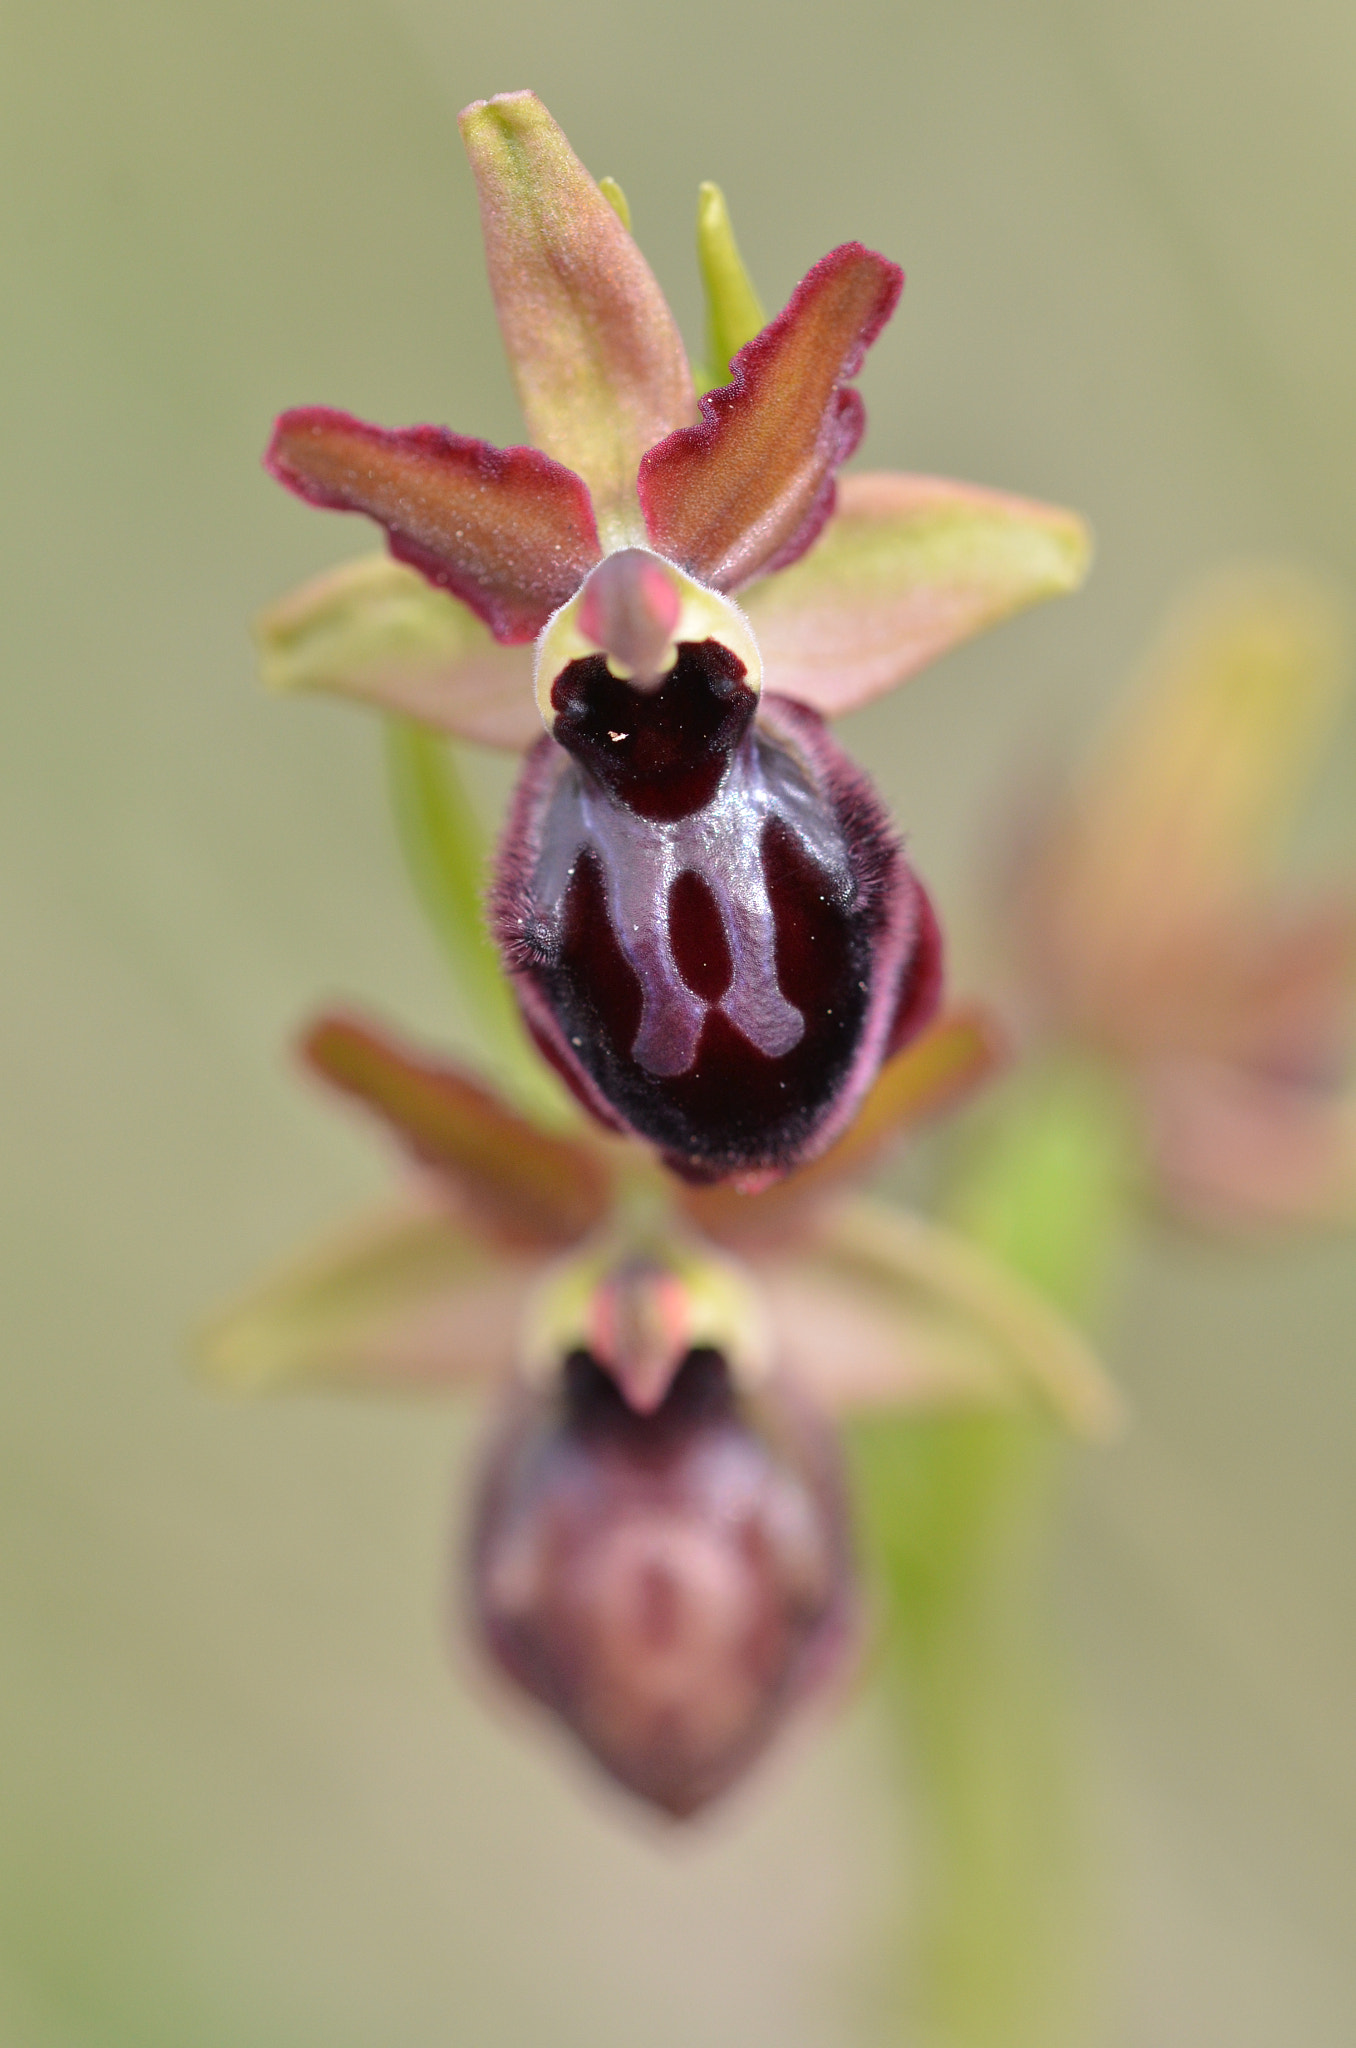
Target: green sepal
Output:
[(404, 1300), (377, 633)]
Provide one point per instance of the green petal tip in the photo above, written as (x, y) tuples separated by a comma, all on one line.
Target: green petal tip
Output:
[(617, 200), (734, 312)]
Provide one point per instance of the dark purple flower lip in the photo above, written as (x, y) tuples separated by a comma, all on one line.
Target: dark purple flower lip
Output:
[(661, 752), (724, 982), (670, 1584)]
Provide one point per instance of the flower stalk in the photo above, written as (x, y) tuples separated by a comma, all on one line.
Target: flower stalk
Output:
[(959, 1514), (447, 857)]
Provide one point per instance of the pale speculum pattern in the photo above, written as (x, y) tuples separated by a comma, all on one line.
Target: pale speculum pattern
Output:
[(708, 919), (640, 860)]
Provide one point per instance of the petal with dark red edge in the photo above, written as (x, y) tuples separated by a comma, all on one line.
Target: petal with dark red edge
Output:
[(507, 530), (907, 567), (599, 365), (749, 487), (521, 1183)]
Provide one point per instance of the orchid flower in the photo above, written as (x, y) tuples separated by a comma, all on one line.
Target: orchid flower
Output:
[(709, 922), (1154, 932), (659, 1548), (712, 935)]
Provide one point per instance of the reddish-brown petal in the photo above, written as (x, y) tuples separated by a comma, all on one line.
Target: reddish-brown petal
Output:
[(519, 1183), (748, 488), (507, 530)]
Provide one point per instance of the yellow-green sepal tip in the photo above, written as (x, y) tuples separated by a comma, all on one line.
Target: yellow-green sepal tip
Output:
[(617, 200), (734, 312)]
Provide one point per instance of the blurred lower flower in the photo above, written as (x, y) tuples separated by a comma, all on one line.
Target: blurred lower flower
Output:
[(669, 1581), (1154, 930), (659, 1548)]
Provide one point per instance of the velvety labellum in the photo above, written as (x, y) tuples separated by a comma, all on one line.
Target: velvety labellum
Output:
[(724, 981), (669, 1584)]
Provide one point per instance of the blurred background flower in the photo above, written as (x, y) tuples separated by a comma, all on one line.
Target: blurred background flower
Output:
[(241, 1801), (1155, 930)]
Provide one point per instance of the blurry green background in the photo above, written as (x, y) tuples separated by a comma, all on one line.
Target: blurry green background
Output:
[(246, 1794)]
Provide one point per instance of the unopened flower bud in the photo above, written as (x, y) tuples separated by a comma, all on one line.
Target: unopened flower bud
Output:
[(669, 1583)]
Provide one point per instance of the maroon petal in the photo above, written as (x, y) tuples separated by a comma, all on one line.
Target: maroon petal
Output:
[(749, 487), (507, 530)]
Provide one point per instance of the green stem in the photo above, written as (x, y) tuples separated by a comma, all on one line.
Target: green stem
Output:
[(445, 853), (958, 1512)]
